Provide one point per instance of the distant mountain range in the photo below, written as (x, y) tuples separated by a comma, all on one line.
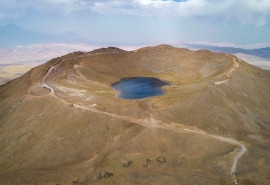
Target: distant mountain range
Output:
[(13, 35), (19, 45), (261, 52), (258, 57)]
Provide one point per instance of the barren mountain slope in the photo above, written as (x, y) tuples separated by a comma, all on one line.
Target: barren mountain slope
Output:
[(62, 123)]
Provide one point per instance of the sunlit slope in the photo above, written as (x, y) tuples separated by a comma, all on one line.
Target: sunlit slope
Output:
[(62, 123)]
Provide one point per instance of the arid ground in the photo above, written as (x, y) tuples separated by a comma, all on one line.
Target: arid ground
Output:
[(62, 122)]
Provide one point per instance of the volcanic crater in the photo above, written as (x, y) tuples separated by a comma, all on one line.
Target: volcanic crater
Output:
[(63, 123)]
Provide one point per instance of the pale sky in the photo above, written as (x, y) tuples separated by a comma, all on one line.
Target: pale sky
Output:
[(145, 21)]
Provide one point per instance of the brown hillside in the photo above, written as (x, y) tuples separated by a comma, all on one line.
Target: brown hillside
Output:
[(84, 134)]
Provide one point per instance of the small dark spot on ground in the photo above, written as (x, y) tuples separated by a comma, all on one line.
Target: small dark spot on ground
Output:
[(104, 174), (75, 181), (127, 164)]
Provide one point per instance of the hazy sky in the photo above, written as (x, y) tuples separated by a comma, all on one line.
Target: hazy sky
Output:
[(145, 21)]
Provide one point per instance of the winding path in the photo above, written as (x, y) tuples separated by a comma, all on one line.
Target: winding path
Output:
[(228, 140), (45, 81), (150, 122), (229, 73)]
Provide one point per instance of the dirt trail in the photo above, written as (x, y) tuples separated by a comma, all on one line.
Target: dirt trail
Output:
[(229, 73), (227, 140), (150, 122), (45, 82)]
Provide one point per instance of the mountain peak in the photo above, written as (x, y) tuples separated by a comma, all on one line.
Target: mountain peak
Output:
[(110, 49)]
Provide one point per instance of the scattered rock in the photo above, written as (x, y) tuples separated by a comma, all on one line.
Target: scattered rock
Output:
[(104, 174), (148, 161), (108, 174), (99, 176), (145, 165), (127, 164), (75, 180), (161, 160), (182, 160)]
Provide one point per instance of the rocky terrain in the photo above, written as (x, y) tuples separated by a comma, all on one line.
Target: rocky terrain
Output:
[(62, 122)]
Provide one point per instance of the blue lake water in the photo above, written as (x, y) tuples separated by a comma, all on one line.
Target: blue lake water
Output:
[(139, 87)]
